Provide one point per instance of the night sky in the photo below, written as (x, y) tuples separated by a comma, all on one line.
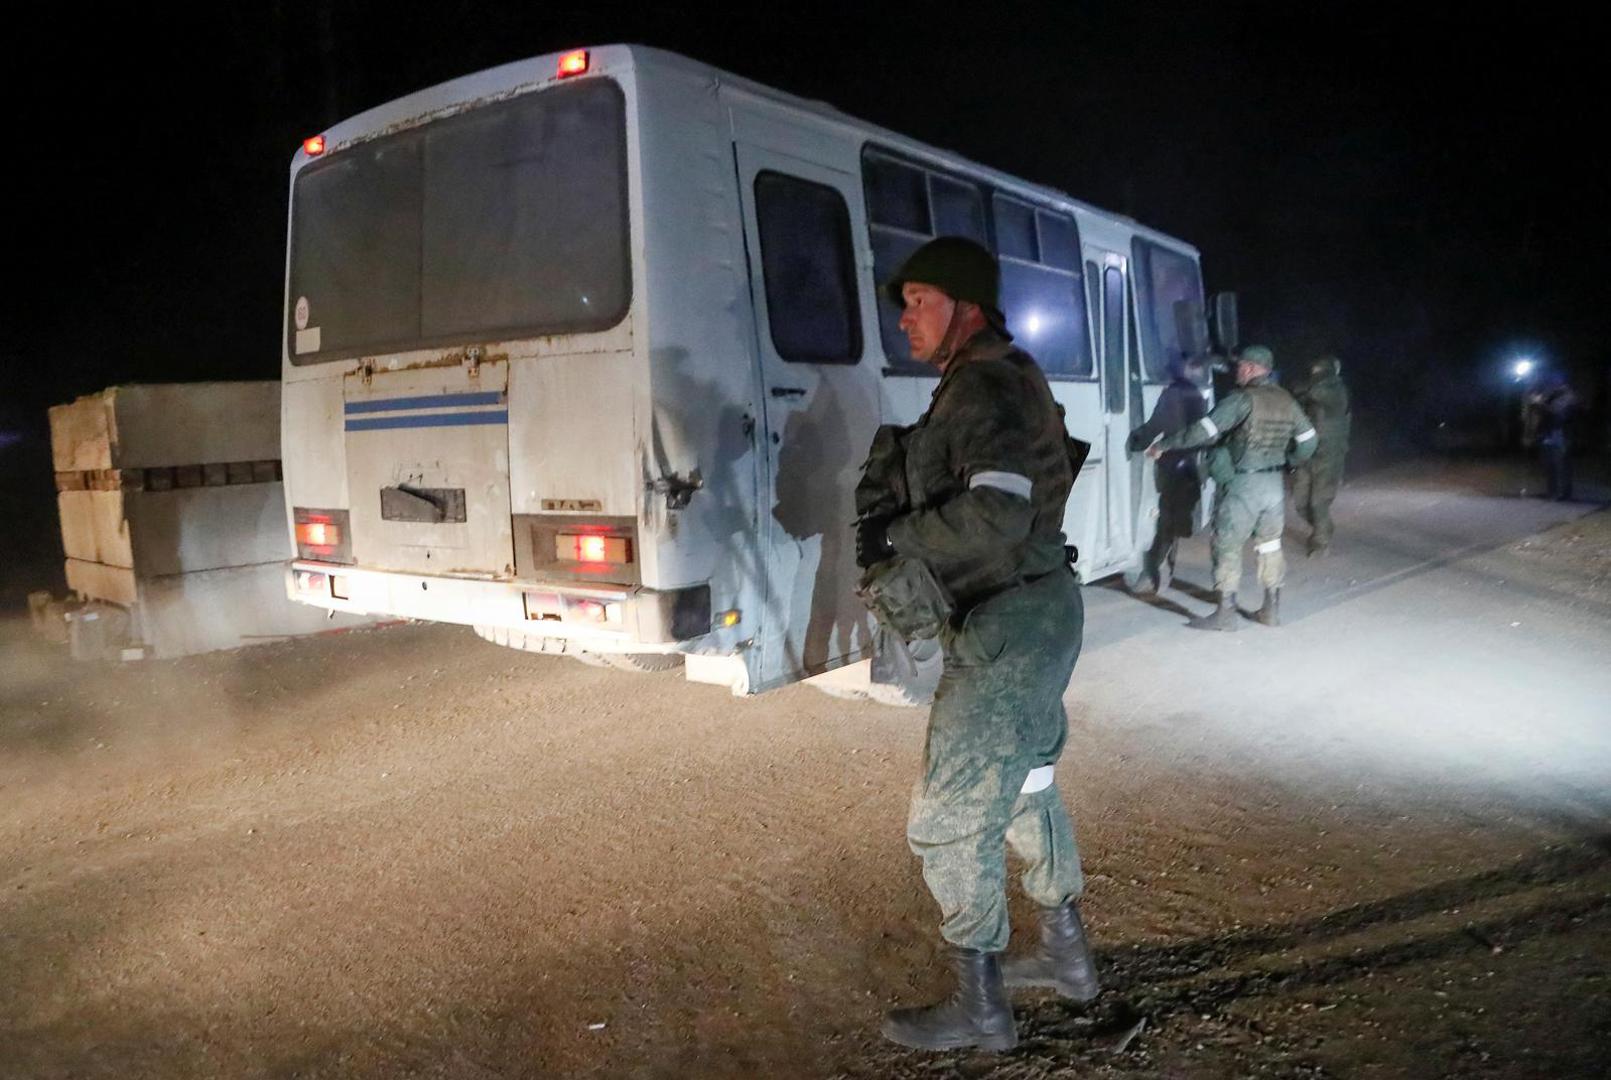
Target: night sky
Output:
[(1414, 192)]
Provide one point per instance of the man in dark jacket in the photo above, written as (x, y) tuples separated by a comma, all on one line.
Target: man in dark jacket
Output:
[(1179, 481), (1556, 404), (987, 476)]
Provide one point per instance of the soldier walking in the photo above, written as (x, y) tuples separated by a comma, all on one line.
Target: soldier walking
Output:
[(987, 474), (1179, 479), (1257, 432), (1315, 482)]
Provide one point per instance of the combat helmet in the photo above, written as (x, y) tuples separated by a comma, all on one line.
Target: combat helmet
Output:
[(1258, 354), (958, 267), (1325, 368)]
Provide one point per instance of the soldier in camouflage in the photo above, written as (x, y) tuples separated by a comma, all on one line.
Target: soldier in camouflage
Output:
[(988, 472), (1315, 482), (1257, 431)]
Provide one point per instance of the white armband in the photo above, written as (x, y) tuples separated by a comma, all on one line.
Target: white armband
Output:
[(1011, 483)]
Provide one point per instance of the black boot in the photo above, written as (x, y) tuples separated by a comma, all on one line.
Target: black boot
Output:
[(1270, 613), (976, 1014), (1063, 961), (1224, 617)]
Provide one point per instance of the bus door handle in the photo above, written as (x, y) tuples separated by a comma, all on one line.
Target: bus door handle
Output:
[(788, 391)]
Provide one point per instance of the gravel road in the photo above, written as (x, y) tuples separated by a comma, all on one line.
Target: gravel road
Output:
[(1375, 842)]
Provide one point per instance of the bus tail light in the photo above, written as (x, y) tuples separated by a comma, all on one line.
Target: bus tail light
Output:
[(313, 146), (573, 63), (318, 533), (592, 548), (322, 535)]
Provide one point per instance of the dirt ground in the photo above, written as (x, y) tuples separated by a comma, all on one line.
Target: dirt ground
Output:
[(1376, 842)]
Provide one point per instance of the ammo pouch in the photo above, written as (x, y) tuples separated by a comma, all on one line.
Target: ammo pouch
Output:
[(904, 596)]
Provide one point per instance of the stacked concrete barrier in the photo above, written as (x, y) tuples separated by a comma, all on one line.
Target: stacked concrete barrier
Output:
[(173, 519)]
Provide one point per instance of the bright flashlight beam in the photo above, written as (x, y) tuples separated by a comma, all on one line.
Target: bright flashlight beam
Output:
[(1523, 368)]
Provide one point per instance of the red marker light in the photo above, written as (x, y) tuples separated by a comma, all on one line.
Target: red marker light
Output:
[(313, 146), (573, 63), (318, 534)]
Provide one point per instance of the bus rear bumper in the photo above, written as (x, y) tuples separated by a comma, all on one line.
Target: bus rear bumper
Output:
[(605, 618)]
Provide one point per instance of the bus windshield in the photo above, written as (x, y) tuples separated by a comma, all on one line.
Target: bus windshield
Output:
[(504, 221)]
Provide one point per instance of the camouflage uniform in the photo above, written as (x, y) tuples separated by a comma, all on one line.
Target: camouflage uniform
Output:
[(1258, 431), (989, 475), (1315, 482)]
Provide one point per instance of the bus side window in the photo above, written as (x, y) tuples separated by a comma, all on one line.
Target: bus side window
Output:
[(1093, 303), (958, 208), (1163, 278), (809, 270), (1114, 386), (907, 205), (1040, 286)]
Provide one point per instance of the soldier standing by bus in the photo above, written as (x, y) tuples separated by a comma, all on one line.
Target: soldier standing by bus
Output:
[(987, 473), (1315, 482), (1257, 431), (1178, 476)]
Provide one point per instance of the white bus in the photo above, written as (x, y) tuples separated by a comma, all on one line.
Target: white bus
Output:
[(586, 352)]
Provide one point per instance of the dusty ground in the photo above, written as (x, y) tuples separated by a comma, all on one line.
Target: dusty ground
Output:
[(1376, 842)]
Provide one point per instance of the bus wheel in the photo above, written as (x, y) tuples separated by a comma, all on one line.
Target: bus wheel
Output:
[(843, 693), (899, 695), (643, 662), (538, 643)]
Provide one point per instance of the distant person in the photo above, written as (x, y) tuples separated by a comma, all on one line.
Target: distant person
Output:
[(1556, 404), (1315, 482), (1178, 473), (1257, 432)]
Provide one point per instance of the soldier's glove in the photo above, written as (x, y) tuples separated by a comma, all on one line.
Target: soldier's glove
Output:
[(872, 540), (1132, 445)]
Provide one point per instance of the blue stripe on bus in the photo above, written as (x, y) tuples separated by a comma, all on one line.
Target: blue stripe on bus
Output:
[(462, 419), (434, 401)]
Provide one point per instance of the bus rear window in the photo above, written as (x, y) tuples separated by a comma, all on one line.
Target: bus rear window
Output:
[(501, 222)]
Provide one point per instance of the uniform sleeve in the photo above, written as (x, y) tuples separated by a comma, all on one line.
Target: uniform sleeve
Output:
[(1167, 416), (1223, 417), (1304, 437), (985, 419)]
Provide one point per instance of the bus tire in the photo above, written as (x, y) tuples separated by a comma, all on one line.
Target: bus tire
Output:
[(899, 695), (643, 662), (537, 643), (843, 693)]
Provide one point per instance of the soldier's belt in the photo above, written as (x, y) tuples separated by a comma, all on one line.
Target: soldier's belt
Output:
[(1020, 582)]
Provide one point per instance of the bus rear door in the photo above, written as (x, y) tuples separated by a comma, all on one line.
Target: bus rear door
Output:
[(802, 221), (428, 467)]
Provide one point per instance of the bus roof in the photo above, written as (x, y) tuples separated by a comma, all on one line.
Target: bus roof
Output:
[(520, 76)]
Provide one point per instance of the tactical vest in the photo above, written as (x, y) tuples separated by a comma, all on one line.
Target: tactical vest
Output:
[(1259, 443)]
